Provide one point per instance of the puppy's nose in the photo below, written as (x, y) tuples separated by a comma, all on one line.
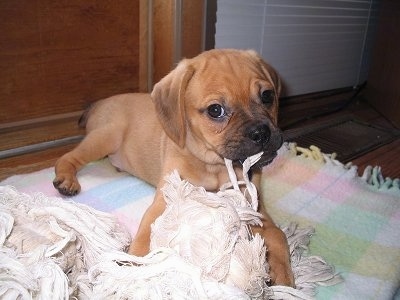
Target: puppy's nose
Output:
[(259, 134)]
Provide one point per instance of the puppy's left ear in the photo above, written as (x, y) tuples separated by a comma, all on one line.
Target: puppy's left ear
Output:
[(169, 100)]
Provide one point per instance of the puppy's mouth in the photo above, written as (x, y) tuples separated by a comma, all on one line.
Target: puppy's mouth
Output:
[(265, 160), (239, 152)]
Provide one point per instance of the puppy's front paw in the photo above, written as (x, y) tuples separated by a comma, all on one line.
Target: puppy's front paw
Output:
[(282, 275), (137, 249), (67, 185)]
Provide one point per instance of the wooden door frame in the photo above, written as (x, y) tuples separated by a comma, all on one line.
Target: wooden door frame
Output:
[(170, 30)]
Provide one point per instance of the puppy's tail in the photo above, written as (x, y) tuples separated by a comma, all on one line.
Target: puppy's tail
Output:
[(84, 117)]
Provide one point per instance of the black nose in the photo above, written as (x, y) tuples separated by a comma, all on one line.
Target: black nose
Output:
[(259, 134)]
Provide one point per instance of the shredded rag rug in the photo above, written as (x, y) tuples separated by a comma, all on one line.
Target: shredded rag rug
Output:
[(356, 223)]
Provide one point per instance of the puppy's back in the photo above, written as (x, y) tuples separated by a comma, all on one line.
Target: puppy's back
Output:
[(118, 111), (84, 117)]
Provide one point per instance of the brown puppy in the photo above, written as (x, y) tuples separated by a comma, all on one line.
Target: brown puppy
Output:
[(220, 104)]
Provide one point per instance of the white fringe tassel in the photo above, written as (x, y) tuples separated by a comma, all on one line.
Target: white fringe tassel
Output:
[(48, 244), (201, 248)]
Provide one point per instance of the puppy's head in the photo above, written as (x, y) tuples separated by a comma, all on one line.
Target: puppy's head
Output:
[(221, 104)]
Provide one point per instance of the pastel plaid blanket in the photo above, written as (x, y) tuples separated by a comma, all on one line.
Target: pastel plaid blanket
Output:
[(356, 219)]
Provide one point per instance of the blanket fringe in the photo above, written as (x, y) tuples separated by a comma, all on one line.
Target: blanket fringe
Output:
[(372, 176), (309, 271)]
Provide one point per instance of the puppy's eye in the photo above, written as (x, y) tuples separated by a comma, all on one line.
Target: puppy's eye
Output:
[(216, 111), (267, 97)]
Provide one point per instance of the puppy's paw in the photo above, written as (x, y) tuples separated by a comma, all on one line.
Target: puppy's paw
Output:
[(67, 185), (282, 275), (138, 249)]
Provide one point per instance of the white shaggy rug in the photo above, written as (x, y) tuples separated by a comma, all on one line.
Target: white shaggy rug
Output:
[(201, 248)]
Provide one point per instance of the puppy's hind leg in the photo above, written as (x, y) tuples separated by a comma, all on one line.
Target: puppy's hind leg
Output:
[(96, 145)]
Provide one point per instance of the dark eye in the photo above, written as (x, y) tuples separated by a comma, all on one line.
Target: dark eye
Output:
[(216, 111), (267, 97)]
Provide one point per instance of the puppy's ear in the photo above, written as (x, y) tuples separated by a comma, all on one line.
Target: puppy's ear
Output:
[(169, 97)]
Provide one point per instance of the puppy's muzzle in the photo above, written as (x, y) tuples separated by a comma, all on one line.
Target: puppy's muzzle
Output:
[(259, 134)]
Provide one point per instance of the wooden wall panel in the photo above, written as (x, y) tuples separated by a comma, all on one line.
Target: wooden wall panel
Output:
[(192, 27), (144, 46), (163, 38), (166, 18), (383, 89), (58, 56)]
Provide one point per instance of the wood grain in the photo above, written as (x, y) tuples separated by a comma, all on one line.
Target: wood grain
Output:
[(383, 78), (58, 56), (166, 53), (192, 27), (32, 162), (387, 157), (163, 38), (39, 132)]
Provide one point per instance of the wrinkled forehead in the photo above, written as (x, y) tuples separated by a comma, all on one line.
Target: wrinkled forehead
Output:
[(235, 73), (232, 64)]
